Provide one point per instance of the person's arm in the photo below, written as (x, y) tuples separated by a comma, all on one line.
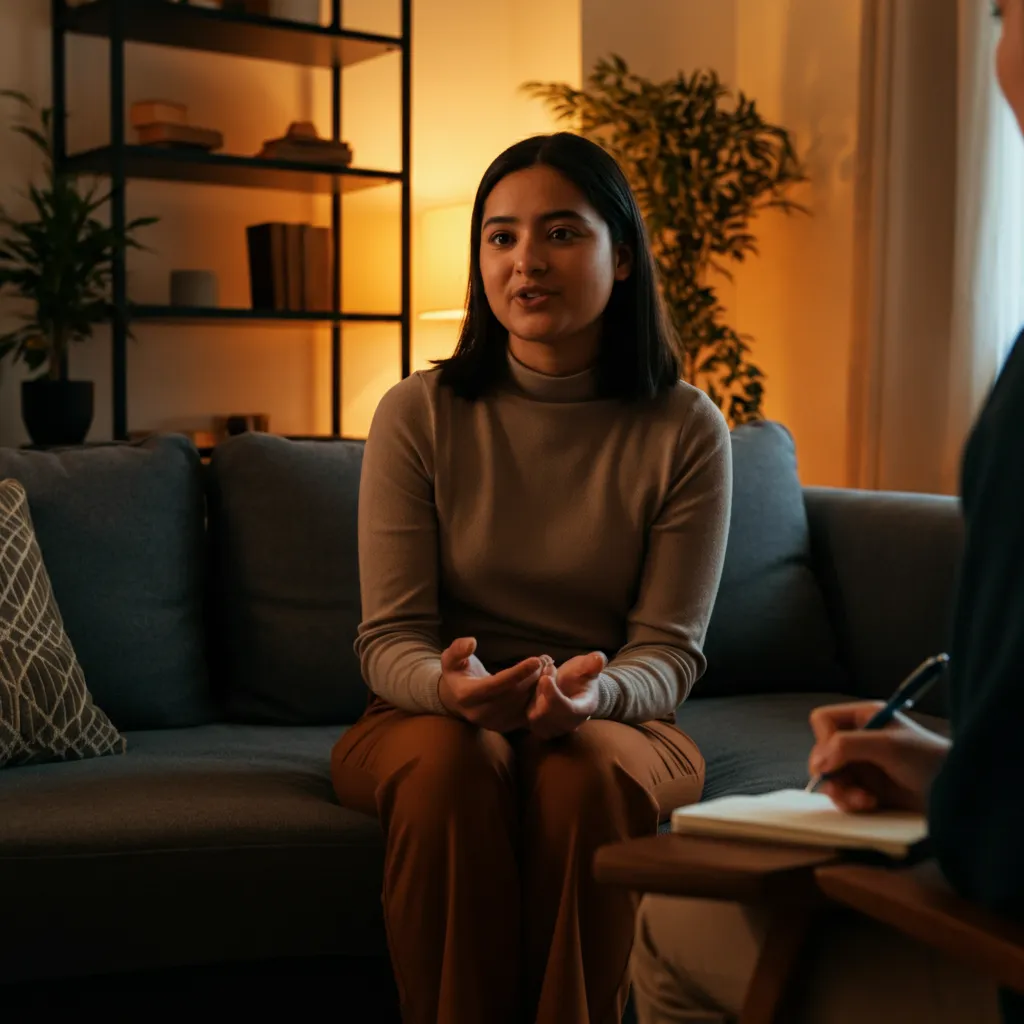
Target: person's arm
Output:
[(652, 674), (398, 641), (977, 806)]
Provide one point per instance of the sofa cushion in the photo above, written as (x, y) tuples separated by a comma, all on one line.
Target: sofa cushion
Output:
[(753, 744), (199, 845), (770, 628), (759, 743), (121, 531), (46, 710), (285, 605)]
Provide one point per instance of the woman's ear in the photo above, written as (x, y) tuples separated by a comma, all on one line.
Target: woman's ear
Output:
[(623, 261)]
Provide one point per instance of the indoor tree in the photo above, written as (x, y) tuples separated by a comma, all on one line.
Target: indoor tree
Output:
[(58, 260), (703, 164)]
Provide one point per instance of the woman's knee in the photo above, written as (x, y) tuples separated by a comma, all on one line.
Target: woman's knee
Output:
[(581, 779), (438, 767)]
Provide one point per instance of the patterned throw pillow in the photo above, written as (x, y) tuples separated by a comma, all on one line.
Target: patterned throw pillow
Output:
[(46, 711)]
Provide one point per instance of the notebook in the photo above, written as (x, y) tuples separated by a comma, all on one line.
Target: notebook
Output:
[(803, 819)]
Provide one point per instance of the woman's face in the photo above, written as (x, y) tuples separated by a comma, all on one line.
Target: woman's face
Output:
[(547, 258), (1010, 55)]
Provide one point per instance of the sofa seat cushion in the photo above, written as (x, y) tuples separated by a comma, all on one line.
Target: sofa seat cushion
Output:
[(220, 842), (759, 743)]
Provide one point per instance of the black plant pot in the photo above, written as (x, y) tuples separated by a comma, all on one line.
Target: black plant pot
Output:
[(57, 412)]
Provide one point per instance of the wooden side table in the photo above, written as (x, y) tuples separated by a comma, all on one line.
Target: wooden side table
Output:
[(918, 902), (780, 878)]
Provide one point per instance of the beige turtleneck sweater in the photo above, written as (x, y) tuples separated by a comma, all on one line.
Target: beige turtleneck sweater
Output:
[(542, 520)]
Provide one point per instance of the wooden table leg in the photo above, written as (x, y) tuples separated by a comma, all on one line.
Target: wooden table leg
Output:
[(773, 975)]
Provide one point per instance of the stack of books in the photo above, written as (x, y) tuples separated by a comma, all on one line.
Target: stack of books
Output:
[(163, 123), (302, 143), (290, 267)]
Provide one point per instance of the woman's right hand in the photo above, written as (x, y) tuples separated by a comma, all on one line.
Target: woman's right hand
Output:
[(469, 691), (872, 770)]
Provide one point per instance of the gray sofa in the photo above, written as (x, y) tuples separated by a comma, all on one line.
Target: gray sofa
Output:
[(213, 610)]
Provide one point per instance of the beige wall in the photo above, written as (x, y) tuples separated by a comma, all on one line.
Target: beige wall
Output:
[(469, 58), (800, 60), (798, 57)]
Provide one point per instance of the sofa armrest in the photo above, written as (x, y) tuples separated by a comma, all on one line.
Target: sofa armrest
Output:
[(887, 563)]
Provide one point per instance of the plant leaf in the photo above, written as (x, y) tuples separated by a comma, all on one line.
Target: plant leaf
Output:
[(703, 164)]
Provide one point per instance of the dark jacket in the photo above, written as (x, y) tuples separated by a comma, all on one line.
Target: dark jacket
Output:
[(977, 804)]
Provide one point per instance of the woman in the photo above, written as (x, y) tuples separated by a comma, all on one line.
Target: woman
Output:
[(971, 788), (549, 497)]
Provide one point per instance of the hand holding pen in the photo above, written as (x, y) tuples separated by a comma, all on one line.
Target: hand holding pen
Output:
[(868, 756)]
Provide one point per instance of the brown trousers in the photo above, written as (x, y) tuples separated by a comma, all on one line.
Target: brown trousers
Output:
[(491, 908)]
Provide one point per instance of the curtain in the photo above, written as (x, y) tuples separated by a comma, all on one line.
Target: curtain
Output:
[(905, 245), (988, 289), (939, 262)]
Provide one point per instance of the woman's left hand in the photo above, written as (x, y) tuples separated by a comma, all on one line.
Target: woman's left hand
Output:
[(565, 697)]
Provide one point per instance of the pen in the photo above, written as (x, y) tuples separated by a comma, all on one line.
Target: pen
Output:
[(912, 689)]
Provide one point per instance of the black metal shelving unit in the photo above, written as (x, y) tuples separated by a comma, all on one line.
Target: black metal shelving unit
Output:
[(163, 23)]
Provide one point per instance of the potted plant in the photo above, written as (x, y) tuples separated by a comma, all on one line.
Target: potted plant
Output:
[(59, 263), (703, 164)]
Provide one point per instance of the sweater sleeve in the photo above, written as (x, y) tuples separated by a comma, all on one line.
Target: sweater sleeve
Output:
[(398, 641), (653, 672), (976, 821)]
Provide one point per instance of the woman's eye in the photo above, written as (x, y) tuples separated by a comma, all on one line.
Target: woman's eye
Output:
[(562, 234), (501, 238)]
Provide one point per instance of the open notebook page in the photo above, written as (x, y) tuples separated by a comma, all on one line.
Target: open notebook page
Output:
[(793, 816)]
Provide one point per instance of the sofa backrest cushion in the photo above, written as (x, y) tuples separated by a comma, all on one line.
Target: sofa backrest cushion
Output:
[(285, 589), (770, 630), (120, 528)]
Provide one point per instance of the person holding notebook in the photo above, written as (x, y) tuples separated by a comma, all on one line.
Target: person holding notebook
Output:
[(692, 959)]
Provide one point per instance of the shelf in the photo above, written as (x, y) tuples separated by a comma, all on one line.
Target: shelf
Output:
[(222, 315), (244, 35), (219, 169)]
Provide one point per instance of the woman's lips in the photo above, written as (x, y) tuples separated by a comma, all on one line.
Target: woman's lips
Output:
[(531, 301)]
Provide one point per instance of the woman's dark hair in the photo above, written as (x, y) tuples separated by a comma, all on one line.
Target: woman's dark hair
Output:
[(638, 357)]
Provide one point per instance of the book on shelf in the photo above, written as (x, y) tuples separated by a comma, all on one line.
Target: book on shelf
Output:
[(147, 112), (290, 267), (168, 134), (293, 269), (317, 287), (299, 152)]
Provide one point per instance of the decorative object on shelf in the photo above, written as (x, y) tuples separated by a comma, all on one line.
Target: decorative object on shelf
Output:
[(721, 165), (242, 423), (164, 123), (290, 267), (61, 263), (302, 143), (194, 288)]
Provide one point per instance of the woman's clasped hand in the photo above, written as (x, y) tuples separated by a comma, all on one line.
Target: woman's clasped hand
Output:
[(534, 694)]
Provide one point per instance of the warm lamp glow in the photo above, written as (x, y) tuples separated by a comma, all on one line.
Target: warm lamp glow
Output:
[(443, 314), (444, 262)]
